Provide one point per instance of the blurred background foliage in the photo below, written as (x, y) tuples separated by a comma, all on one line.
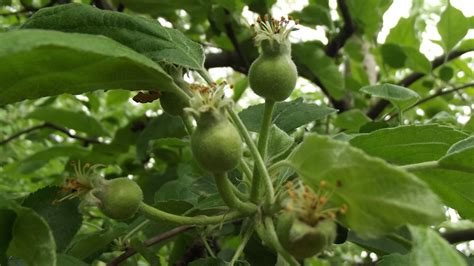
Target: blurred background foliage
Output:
[(340, 47)]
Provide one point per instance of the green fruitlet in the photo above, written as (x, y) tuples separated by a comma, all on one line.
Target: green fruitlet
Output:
[(302, 240), (273, 74), (119, 198), (172, 103), (216, 144)]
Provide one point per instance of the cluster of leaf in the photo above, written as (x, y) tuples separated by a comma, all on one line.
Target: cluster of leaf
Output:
[(386, 170)]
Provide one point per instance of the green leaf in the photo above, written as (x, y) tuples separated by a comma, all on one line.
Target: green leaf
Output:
[(261, 7), (41, 158), (63, 259), (63, 218), (393, 55), (452, 27), (380, 246), (429, 248), (416, 60), (466, 143), (78, 121), (312, 56), (278, 143), (351, 120), (399, 96), (368, 14), (379, 197), (467, 45), (446, 73), (454, 188), (469, 126), (208, 262), (32, 239), (313, 15), (91, 244), (394, 260), (462, 160), (164, 8), (38, 63), (7, 219), (163, 126), (145, 36), (405, 33), (287, 115), (409, 144)]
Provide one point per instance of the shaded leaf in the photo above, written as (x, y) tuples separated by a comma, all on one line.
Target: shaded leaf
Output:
[(287, 115), (312, 56), (63, 218), (379, 197), (78, 121), (163, 126), (41, 158), (63, 259), (7, 219), (145, 36), (393, 55), (351, 120), (32, 239), (38, 63), (278, 143), (409, 144), (89, 245)]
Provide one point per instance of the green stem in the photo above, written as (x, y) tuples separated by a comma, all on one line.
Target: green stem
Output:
[(205, 75), (188, 124), (246, 169), (245, 239), (241, 195), (208, 248), (227, 194), (253, 149), (400, 240), (269, 237), (420, 166), (136, 229), (181, 93), (255, 153), (159, 215), (277, 165), (262, 148)]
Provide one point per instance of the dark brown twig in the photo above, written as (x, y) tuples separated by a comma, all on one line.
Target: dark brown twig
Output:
[(380, 105), (229, 29), (52, 126), (459, 236), (150, 242), (441, 93), (346, 32), (103, 4)]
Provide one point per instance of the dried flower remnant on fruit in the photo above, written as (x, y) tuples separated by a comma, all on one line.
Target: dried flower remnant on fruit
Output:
[(273, 29), (84, 180), (311, 207), (208, 99)]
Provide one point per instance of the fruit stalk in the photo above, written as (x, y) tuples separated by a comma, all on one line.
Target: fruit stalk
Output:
[(262, 147), (260, 165), (159, 215), (227, 194)]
